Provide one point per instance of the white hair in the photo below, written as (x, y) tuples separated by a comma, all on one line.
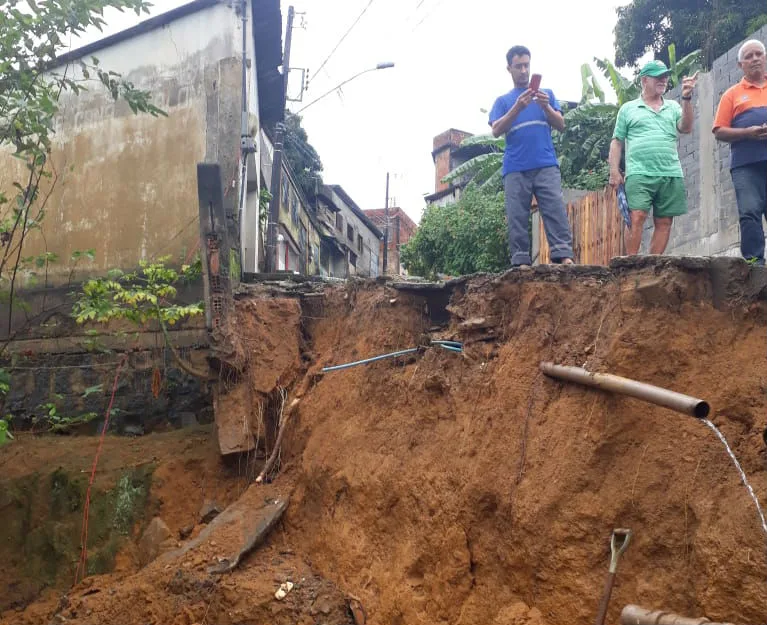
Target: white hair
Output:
[(750, 42)]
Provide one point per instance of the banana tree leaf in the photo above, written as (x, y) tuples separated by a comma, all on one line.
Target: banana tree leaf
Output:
[(489, 140), (473, 165)]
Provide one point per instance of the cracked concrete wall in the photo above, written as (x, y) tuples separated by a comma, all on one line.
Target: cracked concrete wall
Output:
[(126, 184)]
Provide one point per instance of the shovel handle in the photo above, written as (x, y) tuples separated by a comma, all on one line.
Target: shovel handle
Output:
[(605, 601), (619, 542)]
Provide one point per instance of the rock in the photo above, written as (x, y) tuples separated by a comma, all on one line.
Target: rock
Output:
[(133, 429), (283, 591), (155, 540), (475, 323), (185, 532), (209, 511), (187, 419)]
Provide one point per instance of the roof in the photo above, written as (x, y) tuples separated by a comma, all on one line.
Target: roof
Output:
[(338, 189), (379, 215), (267, 35), (440, 194)]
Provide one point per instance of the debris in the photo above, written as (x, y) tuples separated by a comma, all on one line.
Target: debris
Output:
[(283, 591), (185, 532), (154, 541), (475, 323), (209, 511), (254, 525)]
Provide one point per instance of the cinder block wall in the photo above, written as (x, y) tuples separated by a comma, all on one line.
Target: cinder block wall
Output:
[(711, 227)]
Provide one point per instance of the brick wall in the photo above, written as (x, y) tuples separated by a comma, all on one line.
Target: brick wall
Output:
[(442, 148), (711, 227)]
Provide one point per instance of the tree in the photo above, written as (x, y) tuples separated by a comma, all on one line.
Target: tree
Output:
[(302, 157), (465, 237), (584, 146), (713, 26)]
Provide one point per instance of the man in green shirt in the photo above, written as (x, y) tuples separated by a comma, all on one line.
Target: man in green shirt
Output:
[(649, 128)]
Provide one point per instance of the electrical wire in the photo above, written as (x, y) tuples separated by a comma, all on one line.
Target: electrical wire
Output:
[(344, 36), (82, 565)]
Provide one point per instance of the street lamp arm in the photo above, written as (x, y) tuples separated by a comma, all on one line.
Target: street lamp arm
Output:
[(348, 80)]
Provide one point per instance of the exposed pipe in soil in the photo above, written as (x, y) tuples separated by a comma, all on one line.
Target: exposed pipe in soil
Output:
[(452, 346), (634, 615), (624, 386)]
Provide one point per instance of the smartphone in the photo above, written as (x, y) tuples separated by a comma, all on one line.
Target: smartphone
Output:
[(535, 82)]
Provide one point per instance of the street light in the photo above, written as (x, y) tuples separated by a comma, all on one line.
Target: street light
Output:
[(337, 87)]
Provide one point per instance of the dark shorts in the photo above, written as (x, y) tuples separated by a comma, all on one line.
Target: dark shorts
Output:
[(664, 194)]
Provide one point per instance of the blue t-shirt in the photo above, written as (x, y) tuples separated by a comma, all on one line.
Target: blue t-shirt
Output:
[(528, 142)]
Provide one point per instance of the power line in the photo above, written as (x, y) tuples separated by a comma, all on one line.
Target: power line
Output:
[(346, 34), (428, 14)]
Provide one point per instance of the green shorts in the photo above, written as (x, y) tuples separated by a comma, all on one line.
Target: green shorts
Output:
[(664, 194)]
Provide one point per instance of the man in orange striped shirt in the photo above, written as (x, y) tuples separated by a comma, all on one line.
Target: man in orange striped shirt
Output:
[(741, 121)]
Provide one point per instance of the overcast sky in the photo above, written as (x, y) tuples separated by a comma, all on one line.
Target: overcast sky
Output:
[(450, 64)]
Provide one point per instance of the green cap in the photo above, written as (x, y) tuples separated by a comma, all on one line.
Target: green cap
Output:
[(656, 69)]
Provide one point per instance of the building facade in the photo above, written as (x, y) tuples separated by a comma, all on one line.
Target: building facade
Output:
[(124, 184), (355, 248), (401, 230)]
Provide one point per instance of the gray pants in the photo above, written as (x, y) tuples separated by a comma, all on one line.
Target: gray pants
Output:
[(546, 184)]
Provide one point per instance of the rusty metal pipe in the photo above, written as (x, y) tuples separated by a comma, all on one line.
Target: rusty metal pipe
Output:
[(624, 386), (634, 615)]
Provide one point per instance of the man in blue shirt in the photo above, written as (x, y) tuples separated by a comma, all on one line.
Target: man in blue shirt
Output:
[(530, 163)]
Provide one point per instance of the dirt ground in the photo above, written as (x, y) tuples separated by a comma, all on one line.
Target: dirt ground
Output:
[(469, 488)]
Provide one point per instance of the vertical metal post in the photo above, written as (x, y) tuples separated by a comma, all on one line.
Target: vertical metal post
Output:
[(386, 227), (279, 135)]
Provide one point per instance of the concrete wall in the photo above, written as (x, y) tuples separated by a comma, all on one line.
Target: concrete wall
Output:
[(126, 184), (711, 227), (55, 360)]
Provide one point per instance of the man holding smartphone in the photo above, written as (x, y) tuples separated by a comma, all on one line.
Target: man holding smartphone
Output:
[(526, 115)]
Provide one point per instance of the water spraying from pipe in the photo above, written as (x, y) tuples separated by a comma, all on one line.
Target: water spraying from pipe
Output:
[(743, 476)]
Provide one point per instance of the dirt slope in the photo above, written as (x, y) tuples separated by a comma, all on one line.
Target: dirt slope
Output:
[(471, 490), (448, 488)]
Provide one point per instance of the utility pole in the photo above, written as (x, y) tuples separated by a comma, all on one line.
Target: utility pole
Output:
[(386, 227), (279, 137)]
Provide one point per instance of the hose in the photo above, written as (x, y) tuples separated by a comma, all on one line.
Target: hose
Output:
[(452, 346)]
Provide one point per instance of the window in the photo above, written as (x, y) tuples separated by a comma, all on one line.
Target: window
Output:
[(285, 192), (339, 222), (373, 265), (350, 233), (359, 243), (353, 259), (294, 208)]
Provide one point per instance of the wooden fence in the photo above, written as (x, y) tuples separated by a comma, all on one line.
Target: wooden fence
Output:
[(597, 226)]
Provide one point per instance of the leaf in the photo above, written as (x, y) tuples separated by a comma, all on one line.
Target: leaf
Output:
[(91, 390)]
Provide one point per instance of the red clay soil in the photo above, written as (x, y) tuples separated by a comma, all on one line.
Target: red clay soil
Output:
[(267, 343), (471, 490), (449, 488)]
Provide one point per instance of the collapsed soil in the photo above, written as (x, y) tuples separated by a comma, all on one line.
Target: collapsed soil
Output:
[(469, 488)]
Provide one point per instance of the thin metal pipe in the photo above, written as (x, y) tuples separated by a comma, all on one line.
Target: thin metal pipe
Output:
[(624, 386), (450, 348), (452, 343), (443, 344), (634, 615), (368, 360)]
